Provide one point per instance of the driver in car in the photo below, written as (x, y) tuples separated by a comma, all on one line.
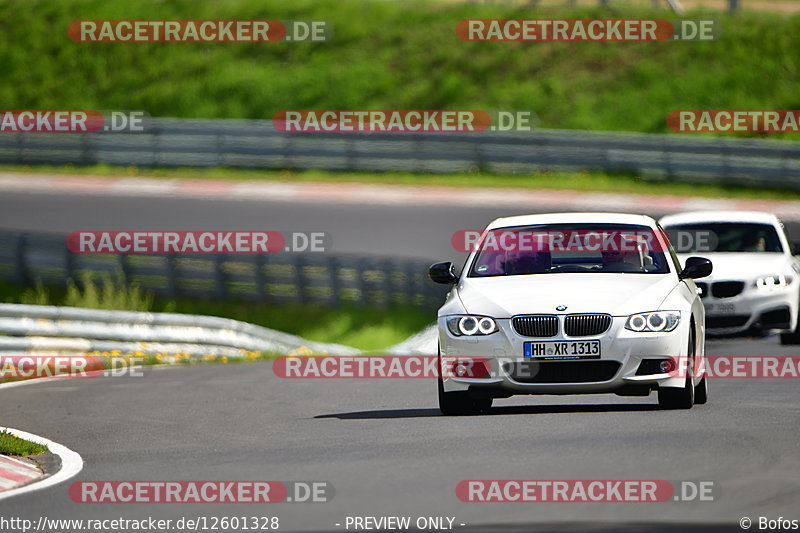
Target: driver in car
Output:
[(527, 262), (621, 261)]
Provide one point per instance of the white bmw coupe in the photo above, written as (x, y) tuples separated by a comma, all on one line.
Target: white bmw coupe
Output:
[(571, 303)]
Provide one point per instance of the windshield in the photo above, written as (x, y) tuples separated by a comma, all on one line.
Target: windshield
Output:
[(724, 237), (570, 248)]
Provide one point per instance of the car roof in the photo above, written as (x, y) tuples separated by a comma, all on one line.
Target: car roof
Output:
[(719, 216), (572, 218)]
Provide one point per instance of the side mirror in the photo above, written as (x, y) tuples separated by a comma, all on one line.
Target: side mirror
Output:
[(696, 267), (444, 272)]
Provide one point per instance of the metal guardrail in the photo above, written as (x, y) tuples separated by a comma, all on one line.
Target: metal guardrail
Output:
[(256, 144), (327, 280), (31, 328)]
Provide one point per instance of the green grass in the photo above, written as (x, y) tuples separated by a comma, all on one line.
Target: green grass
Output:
[(364, 328), (568, 181), (394, 55), (11, 444)]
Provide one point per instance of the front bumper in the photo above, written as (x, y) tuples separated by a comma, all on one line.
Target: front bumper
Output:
[(753, 309), (621, 355)]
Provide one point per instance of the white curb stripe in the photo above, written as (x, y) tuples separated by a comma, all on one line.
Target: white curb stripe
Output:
[(71, 464)]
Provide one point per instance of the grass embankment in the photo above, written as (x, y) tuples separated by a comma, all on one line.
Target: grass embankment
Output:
[(11, 444), (394, 55), (364, 328)]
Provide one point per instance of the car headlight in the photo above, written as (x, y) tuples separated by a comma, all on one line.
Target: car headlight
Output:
[(774, 282), (469, 325), (653, 321)]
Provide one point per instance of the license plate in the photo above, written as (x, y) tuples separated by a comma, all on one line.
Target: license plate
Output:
[(720, 309), (562, 350)]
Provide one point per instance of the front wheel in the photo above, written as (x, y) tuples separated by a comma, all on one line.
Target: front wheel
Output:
[(793, 337), (460, 403), (701, 391), (682, 398)]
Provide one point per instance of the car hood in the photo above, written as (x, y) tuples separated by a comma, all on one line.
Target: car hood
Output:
[(742, 266), (617, 294)]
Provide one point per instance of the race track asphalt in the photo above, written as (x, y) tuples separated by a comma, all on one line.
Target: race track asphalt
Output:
[(382, 443), (386, 450)]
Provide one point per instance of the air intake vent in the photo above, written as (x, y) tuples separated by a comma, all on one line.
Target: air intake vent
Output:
[(585, 325), (562, 372), (536, 325)]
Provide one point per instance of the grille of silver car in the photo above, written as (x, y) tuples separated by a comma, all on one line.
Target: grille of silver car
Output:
[(536, 325), (585, 325), (727, 289)]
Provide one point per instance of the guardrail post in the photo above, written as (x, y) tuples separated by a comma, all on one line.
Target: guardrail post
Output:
[(479, 159), (220, 277), (668, 167), (69, 263), (410, 274), (363, 287), (21, 147), (172, 276), (218, 145), (21, 250), (125, 268), (389, 280), (300, 277), (261, 282), (156, 145), (725, 152), (333, 277)]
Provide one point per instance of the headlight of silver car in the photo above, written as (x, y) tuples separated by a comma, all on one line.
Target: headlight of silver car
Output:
[(470, 325), (774, 282), (653, 321)]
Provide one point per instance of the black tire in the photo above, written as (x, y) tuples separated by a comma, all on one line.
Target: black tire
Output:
[(701, 392), (460, 403), (680, 398), (793, 337)]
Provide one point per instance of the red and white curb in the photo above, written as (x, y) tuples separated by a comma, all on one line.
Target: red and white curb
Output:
[(14, 481), (371, 194), (14, 472)]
